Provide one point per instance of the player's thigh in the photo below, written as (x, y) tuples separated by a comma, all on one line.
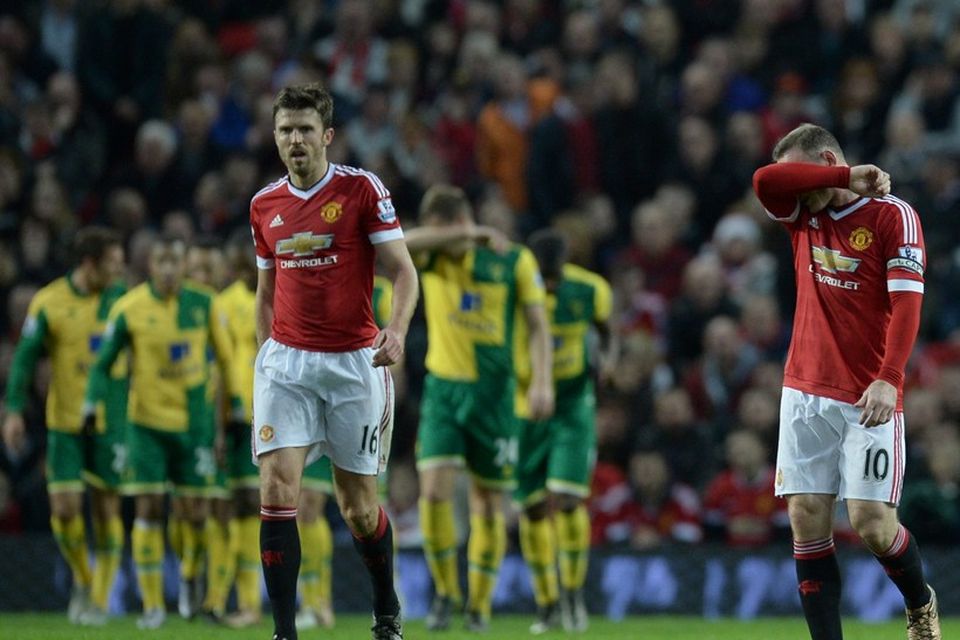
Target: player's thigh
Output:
[(574, 449), (444, 407), (873, 458), (534, 443), (286, 409), (491, 442), (149, 457), (358, 410), (809, 446), (64, 462), (318, 477)]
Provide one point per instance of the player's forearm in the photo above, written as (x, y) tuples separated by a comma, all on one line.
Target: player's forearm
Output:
[(431, 238), (99, 380), (541, 354), (901, 335), (21, 372), (264, 313), (779, 185), (406, 290)]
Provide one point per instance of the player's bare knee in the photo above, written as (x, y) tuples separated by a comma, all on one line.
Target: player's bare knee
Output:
[(875, 523), (65, 506), (485, 502), (149, 507), (436, 485)]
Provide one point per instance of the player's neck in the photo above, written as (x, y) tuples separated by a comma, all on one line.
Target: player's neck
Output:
[(80, 280), (307, 181), (841, 198)]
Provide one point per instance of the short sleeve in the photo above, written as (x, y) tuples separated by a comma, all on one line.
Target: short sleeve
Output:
[(529, 282), (904, 248), (602, 300), (380, 221), (264, 254)]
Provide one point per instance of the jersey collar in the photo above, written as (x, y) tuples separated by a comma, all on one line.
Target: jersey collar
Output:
[(850, 208), (312, 191), (73, 285)]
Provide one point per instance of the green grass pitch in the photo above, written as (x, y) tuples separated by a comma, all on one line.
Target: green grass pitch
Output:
[(56, 627)]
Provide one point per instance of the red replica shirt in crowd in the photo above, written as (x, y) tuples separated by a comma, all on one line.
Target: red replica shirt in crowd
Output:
[(321, 242), (748, 510), (853, 266)]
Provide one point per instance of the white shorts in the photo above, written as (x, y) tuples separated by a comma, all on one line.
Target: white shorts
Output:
[(823, 448), (337, 404)]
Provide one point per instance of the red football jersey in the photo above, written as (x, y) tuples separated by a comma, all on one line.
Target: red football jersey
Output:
[(848, 263), (321, 241)]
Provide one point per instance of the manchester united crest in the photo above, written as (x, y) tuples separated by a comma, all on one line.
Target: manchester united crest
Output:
[(266, 433), (331, 212), (861, 238)]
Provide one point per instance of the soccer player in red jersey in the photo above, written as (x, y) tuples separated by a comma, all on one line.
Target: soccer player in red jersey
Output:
[(859, 259), (322, 384)]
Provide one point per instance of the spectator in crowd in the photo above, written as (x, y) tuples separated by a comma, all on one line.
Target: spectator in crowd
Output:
[(762, 326), (748, 269), (655, 249), (684, 443), (738, 505), (931, 508), (704, 296), (662, 511), (758, 411)]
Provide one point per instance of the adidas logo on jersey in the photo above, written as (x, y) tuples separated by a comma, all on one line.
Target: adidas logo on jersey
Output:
[(276, 221)]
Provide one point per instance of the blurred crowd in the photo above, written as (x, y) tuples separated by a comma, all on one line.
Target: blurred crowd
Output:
[(633, 126)]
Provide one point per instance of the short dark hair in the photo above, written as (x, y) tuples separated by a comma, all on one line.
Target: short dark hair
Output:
[(444, 201), (550, 249), (809, 138), (93, 243), (306, 96)]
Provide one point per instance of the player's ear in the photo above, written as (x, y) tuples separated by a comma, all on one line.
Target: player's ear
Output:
[(829, 157), (328, 136)]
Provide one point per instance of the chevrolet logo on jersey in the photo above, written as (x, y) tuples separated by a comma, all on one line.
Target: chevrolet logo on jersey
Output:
[(831, 261), (304, 244)]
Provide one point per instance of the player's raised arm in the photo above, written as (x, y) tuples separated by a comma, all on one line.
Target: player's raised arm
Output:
[(428, 238), (115, 339), (780, 185), (24, 363), (395, 258)]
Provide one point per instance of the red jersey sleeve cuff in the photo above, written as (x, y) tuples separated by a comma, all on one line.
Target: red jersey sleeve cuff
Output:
[(891, 375)]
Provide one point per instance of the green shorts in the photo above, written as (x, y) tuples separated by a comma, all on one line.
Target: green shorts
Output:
[(242, 473), (319, 476), (73, 458), (558, 454), (466, 423), (157, 459)]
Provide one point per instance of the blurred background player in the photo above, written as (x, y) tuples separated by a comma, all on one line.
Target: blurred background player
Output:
[(556, 455), (66, 319), (473, 295), (859, 260), (236, 305), (169, 326), (321, 385), (206, 267)]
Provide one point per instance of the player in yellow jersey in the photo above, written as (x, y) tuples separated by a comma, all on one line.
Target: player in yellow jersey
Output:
[(475, 287), (316, 580), (556, 456), (206, 266), (169, 327), (236, 304), (66, 319)]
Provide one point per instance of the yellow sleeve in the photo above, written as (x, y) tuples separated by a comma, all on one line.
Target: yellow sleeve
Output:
[(529, 282), (602, 300), (223, 348)]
